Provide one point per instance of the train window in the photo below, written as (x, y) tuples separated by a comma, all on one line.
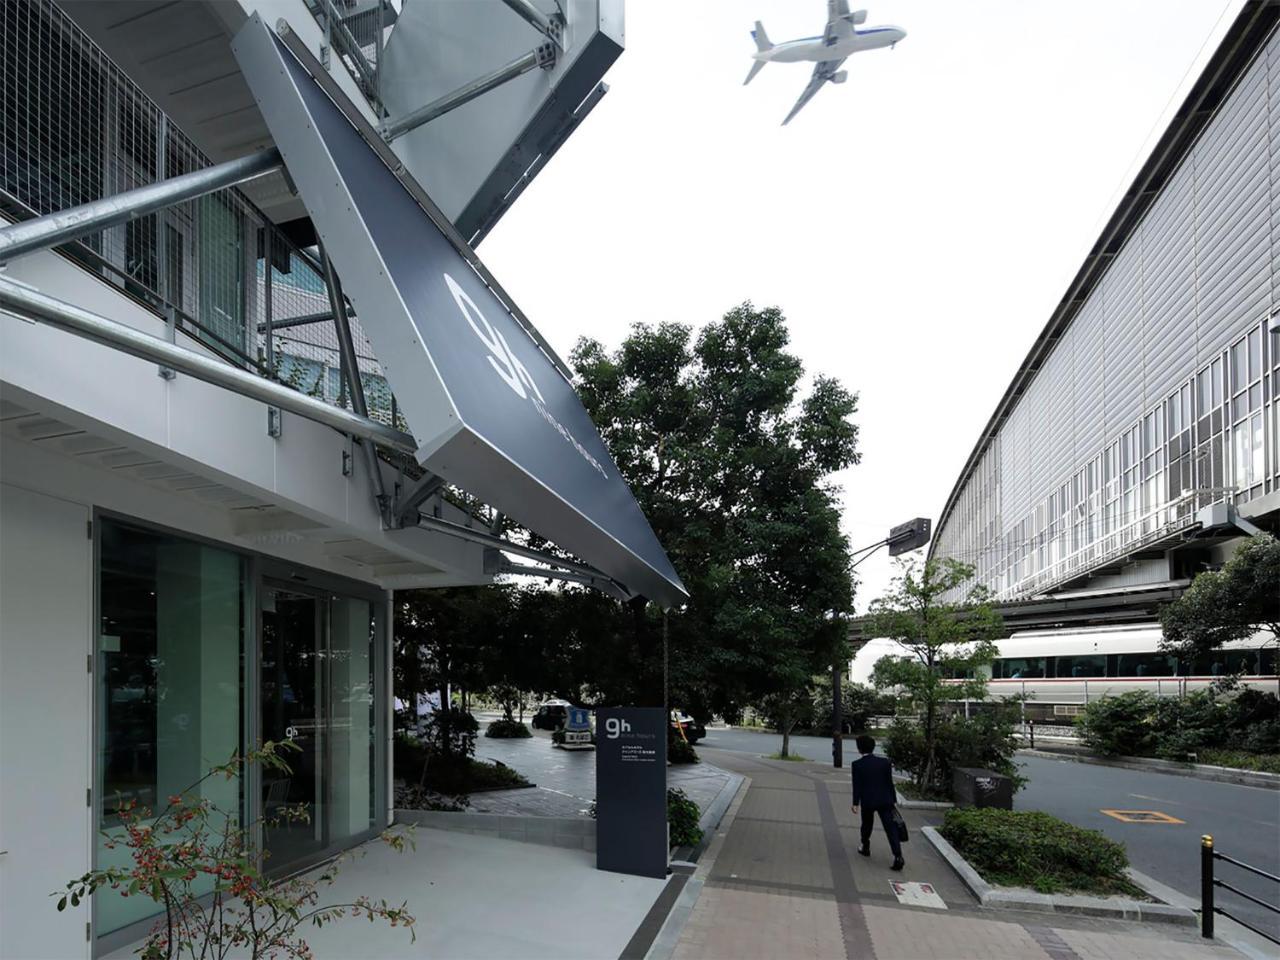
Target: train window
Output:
[(1222, 663), (1018, 668), (1268, 664), (1084, 666), (1144, 665)]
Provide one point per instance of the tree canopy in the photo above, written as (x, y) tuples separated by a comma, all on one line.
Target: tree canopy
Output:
[(1234, 603), (730, 458), (943, 641)]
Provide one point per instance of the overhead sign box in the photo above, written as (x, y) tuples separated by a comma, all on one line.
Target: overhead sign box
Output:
[(909, 536), (476, 159), (489, 408)]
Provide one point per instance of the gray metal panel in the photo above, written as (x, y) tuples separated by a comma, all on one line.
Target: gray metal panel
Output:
[(489, 409), (469, 159), (1170, 283), (1199, 270)]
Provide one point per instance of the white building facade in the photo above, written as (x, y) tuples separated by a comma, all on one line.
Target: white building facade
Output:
[(187, 569)]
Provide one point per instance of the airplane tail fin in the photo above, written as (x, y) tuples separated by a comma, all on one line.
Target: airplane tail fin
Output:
[(762, 44), (761, 38)]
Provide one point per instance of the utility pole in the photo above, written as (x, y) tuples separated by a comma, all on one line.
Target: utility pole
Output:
[(837, 718)]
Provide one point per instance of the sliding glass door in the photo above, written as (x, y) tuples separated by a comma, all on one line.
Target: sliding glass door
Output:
[(317, 677)]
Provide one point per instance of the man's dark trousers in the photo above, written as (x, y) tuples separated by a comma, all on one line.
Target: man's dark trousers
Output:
[(890, 828)]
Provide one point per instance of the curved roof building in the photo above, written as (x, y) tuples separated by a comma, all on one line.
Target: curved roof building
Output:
[(1144, 426)]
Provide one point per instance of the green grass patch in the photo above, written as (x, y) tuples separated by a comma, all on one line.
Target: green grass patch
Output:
[(1031, 849), (792, 757), (1262, 762)]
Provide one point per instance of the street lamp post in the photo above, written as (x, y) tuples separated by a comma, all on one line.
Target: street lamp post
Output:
[(903, 538)]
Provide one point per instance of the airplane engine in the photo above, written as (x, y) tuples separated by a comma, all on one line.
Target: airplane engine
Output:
[(840, 76), (858, 16)]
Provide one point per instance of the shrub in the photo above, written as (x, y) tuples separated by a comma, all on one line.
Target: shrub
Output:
[(1032, 849), (1264, 762), (681, 751), (451, 732), (508, 729), (984, 740), (1123, 725), (682, 817)]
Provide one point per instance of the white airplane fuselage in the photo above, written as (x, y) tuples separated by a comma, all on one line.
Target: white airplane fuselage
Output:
[(813, 49)]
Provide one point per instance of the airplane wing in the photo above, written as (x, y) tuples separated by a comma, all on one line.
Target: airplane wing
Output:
[(839, 22), (822, 72)]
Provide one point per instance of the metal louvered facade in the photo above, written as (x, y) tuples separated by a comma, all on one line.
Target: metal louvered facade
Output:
[(1152, 392)]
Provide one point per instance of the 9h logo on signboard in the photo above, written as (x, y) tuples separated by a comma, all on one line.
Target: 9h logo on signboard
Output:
[(615, 727), (513, 373)]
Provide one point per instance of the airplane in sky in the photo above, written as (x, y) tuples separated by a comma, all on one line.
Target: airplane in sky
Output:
[(839, 41)]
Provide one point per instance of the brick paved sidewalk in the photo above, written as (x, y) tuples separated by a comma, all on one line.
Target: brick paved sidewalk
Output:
[(785, 881)]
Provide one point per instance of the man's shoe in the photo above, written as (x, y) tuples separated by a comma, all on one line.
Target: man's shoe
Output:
[(898, 864), (865, 849)]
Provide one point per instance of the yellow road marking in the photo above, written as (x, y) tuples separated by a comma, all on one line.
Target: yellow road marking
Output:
[(1141, 816)]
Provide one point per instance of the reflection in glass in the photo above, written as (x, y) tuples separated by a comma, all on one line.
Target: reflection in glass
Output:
[(169, 649)]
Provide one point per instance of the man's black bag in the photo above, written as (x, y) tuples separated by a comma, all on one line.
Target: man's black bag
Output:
[(901, 826)]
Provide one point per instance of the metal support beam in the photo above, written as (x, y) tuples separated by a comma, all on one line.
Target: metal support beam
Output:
[(406, 509), (601, 583), (350, 366), (551, 27), (324, 316), (75, 222), (29, 304), (543, 56), (488, 540)]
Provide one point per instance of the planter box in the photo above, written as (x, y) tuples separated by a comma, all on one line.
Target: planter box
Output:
[(1019, 898)]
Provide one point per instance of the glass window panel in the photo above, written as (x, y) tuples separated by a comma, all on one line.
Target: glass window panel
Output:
[(1145, 665), (1091, 665), (1255, 355), (351, 658), (1202, 393), (1019, 668), (170, 642), (1216, 398), (1239, 372)]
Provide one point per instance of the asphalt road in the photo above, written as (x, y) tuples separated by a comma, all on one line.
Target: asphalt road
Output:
[(1244, 822)]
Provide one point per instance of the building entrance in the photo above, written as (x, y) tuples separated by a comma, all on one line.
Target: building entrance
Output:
[(317, 684)]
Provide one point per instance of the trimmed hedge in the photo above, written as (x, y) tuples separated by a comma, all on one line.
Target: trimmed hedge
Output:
[(1021, 848), (507, 729)]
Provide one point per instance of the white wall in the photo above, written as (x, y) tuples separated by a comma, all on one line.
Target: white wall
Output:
[(46, 755)]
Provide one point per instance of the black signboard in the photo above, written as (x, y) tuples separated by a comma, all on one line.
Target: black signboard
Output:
[(487, 406), (631, 791)]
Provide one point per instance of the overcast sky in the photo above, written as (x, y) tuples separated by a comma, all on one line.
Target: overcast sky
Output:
[(916, 225)]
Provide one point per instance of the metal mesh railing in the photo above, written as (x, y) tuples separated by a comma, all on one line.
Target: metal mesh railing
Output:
[(74, 128)]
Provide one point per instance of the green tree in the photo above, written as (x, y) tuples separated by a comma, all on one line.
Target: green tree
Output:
[(945, 642), (1234, 603), (731, 464)]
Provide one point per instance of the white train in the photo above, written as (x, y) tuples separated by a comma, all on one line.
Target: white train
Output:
[(1061, 670)]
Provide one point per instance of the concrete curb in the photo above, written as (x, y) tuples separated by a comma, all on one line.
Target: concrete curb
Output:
[(664, 944), (711, 818), (906, 804), (1014, 898), (1201, 771)]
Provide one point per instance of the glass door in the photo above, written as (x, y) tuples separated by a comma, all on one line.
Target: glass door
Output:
[(295, 709)]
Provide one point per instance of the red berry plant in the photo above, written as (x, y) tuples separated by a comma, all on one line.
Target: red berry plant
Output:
[(201, 867)]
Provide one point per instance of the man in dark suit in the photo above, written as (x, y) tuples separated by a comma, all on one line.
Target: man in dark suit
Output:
[(873, 791)]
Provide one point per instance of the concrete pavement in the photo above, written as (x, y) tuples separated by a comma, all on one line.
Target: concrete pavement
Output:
[(783, 879)]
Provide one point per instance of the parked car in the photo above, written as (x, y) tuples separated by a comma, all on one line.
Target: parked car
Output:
[(693, 730), (551, 715)]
